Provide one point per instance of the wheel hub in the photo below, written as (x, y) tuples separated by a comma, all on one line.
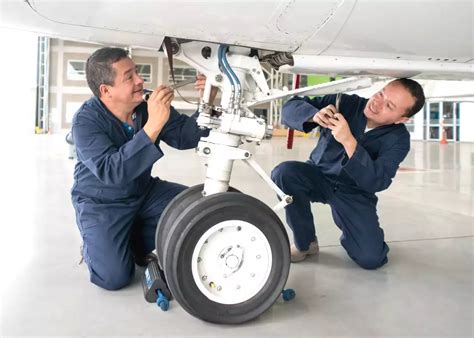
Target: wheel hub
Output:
[(230, 259), (231, 262)]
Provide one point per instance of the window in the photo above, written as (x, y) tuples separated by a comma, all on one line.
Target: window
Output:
[(434, 133), (144, 70), (434, 113), (457, 114), (448, 113), (182, 73), (76, 70), (449, 133), (441, 117)]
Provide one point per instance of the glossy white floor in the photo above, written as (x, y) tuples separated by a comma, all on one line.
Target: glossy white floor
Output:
[(425, 290)]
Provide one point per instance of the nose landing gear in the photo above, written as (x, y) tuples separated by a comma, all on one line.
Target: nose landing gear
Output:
[(226, 256)]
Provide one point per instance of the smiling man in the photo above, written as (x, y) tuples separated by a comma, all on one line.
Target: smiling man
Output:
[(117, 137), (357, 155)]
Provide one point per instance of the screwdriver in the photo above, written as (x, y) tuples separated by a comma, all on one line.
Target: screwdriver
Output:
[(148, 92), (338, 101)]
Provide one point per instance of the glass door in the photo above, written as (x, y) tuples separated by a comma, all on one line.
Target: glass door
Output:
[(433, 122), (449, 120), (441, 116)]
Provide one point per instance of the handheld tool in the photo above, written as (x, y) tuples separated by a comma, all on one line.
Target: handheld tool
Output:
[(147, 92), (338, 101)]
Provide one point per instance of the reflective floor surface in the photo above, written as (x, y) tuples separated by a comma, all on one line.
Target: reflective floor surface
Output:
[(426, 289)]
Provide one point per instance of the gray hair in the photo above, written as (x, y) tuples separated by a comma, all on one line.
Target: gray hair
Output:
[(99, 68)]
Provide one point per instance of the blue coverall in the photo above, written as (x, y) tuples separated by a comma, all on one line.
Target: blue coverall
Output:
[(117, 201), (347, 185)]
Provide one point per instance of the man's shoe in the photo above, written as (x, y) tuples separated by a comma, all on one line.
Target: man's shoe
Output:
[(298, 256), (143, 261)]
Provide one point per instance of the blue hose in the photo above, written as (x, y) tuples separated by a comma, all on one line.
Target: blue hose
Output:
[(234, 77)]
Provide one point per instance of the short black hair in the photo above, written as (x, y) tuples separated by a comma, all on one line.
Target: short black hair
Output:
[(416, 90), (99, 68)]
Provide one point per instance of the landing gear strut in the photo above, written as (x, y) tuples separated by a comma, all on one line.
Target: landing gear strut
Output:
[(225, 255)]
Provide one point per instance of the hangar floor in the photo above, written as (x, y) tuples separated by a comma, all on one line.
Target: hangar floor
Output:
[(426, 289)]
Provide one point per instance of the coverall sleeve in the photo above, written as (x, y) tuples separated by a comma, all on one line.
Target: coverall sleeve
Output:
[(112, 165), (298, 112), (181, 131), (373, 175)]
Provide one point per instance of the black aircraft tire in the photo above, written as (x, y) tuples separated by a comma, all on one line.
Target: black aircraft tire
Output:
[(172, 210), (203, 217), (176, 206)]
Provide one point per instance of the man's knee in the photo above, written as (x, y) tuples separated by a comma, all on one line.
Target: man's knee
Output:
[(113, 278), (370, 261), (369, 257), (283, 171)]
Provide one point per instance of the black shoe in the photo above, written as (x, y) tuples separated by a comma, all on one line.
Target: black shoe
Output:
[(143, 261)]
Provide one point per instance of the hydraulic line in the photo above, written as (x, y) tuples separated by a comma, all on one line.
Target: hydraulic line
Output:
[(222, 66), (238, 93), (235, 80)]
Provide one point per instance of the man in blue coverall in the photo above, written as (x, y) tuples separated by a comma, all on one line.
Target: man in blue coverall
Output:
[(357, 155), (117, 137)]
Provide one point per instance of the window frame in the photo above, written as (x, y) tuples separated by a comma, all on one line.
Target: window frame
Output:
[(181, 77), (151, 71), (77, 76)]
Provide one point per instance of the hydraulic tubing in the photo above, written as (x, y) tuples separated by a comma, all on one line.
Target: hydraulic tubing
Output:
[(221, 53), (235, 78)]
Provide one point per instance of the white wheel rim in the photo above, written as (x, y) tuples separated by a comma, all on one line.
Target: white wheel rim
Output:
[(231, 262)]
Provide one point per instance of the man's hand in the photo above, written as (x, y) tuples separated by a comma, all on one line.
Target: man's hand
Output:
[(200, 84), (342, 133), (159, 104), (322, 117)]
